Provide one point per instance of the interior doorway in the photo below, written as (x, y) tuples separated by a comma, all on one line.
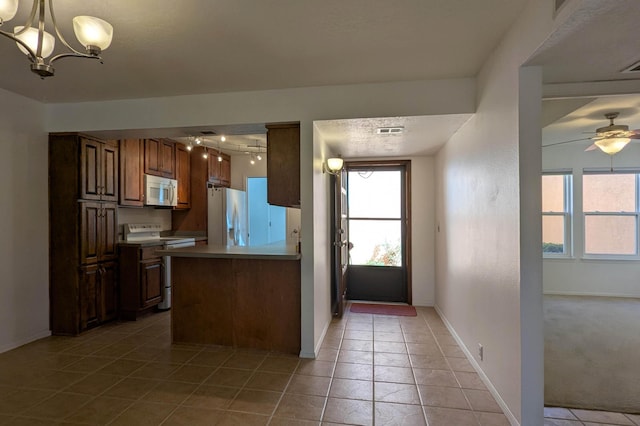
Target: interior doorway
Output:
[(379, 232)]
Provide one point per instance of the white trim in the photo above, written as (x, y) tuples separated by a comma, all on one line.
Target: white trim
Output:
[(316, 350), (20, 342), (592, 294), (507, 412)]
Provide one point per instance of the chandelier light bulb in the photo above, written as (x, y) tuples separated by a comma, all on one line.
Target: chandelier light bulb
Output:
[(30, 37), (205, 155), (259, 157), (189, 147), (93, 33), (8, 9), (223, 138)]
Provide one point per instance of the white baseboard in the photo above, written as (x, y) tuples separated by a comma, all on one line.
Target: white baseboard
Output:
[(17, 343), (593, 294), (320, 340), (505, 408)]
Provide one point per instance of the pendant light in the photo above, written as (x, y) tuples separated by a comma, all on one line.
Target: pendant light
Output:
[(94, 35)]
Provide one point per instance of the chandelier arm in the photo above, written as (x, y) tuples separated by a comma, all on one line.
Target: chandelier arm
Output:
[(74, 55), (32, 54), (58, 33), (29, 23), (41, 29)]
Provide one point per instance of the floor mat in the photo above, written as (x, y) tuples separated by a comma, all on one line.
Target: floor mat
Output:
[(380, 309)]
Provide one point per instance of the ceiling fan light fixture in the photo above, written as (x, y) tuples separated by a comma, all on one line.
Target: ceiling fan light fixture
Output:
[(613, 145)]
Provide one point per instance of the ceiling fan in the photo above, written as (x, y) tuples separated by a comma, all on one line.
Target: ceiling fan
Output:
[(609, 139)]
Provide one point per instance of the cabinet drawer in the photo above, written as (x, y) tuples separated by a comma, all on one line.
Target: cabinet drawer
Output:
[(149, 252)]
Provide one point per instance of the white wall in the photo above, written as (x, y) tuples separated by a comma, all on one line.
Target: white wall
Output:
[(24, 262), (241, 169), (482, 198), (423, 212), (304, 105), (577, 275)]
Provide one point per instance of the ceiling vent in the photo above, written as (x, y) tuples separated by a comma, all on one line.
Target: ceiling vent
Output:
[(633, 68), (208, 132), (398, 130)]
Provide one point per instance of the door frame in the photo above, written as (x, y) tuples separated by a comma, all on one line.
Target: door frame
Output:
[(406, 198)]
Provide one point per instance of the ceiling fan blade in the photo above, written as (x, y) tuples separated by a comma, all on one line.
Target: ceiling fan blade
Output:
[(592, 147), (564, 142)]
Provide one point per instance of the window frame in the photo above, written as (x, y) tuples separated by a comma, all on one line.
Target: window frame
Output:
[(636, 215), (567, 214)]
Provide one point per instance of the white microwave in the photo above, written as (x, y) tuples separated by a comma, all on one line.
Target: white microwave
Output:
[(159, 191)]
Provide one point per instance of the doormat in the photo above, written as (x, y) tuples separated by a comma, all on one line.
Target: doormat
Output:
[(379, 309)]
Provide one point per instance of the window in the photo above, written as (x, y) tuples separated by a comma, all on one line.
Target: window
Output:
[(375, 216), (611, 211), (556, 214)]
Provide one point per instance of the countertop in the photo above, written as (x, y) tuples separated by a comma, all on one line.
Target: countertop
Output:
[(278, 251)]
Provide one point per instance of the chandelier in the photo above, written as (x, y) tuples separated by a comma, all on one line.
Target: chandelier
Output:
[(32, 39)]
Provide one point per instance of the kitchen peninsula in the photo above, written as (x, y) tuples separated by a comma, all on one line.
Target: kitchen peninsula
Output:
[(245, 297)]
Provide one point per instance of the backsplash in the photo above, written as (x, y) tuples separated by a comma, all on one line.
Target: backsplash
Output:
[(143, 215)]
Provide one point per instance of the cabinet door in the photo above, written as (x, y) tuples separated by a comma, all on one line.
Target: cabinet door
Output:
[(214, 166), (90, 165), (225, 171), (132, 172), (89, 294), (90, 213), (183, 174), (109, 171), (151, 282), (167, 158), (283, 164), (108, 291), (108, 228), (152, 157)]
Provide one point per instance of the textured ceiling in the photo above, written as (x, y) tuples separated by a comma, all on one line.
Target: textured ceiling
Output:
[(421, 135), (169, 47)]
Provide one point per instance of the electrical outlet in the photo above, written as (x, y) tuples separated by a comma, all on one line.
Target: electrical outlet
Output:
[(480, 352)]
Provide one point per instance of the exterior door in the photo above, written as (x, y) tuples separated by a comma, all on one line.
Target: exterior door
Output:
[(340, 252), (379, 231)]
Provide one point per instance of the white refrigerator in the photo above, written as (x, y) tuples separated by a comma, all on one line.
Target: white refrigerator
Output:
[(227, 217)]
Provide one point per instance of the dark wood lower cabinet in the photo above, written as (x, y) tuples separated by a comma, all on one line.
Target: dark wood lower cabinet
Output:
[(89, 294), (98, 294), (151, 282), (141, 280)]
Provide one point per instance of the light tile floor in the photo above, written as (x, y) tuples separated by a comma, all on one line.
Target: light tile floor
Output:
[(372, 369), (557, 416)]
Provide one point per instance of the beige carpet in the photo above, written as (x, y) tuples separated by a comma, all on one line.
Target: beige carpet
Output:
[(592, 353)]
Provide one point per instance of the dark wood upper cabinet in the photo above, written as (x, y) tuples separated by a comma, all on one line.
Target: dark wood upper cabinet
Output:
[(98, 170), (132, 172), (283, 164), (183, 175), (219, 168), (159, 157)]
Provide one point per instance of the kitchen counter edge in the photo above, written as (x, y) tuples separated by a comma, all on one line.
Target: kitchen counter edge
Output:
[(267, 252)]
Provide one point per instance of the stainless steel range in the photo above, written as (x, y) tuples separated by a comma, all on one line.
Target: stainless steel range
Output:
[(143, 233)]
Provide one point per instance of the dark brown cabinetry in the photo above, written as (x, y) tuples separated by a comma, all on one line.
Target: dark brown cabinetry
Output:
[(83, 190), (98, 170), (159, 157), (183, 175), (219, 168), (132, 172), (283, 164), (141, 280), (195, 218), (98, 294)]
